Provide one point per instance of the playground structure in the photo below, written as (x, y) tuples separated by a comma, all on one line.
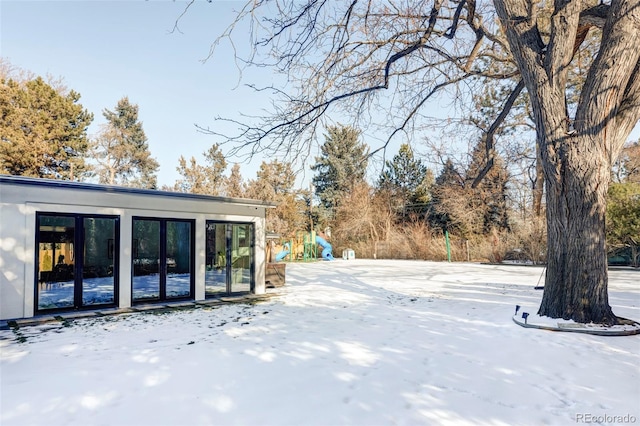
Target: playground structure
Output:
[(305, 247)]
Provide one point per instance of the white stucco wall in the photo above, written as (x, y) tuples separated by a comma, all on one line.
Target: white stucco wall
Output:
[(21, 198)]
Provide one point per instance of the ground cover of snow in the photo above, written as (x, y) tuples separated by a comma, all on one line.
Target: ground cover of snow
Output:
[(357, 342)]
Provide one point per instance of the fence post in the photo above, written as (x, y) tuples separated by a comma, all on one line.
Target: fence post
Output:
[(446, 239)]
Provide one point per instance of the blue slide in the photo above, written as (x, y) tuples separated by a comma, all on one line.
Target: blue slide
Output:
[(283, 253), (326, 248)]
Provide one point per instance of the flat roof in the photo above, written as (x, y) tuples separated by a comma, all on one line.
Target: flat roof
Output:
[(67, 184)]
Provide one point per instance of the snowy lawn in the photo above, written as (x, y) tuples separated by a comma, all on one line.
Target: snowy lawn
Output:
[(358, 342)]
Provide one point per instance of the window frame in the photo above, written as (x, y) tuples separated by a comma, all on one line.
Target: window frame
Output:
[(162, 267), (79, 246)]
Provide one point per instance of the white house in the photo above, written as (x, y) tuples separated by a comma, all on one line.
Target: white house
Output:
[(68, 246)]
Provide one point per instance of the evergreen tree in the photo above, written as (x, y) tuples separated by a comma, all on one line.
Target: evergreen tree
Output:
[(623, 217), (278, 176), (275, 183), (489, 197), (43, 131), (121, 149), (407, 180), (234, 185), (627, 168), (458, 206), (208, 179), (342, 164), (446, 202)]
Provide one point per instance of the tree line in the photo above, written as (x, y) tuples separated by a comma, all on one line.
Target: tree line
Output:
[(43, 134), (407, 210), (403, 213)]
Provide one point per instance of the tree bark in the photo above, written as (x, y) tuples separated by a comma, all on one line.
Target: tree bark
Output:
[(576, 281), (577, 155)]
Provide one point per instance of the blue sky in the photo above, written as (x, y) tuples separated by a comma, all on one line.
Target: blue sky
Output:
[(109, 49)]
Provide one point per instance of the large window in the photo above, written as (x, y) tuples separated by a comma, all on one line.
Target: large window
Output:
[(216, 268), (76, 265), (230, 260), (162, 259), (241, 257)]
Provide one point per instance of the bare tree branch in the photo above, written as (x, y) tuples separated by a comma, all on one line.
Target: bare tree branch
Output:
[(488, 137), (368, 49)]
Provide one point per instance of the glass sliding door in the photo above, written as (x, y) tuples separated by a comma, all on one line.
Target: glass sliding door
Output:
[(216, 268), (162, 259), (98, 263), (241, 257), (178, 259), (76, 261), (56, 240), (146, 259), (230, 259)]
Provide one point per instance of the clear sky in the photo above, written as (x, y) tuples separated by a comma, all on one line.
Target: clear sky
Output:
[(109, 49)]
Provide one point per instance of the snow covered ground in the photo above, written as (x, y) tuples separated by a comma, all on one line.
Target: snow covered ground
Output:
[(358, 342)]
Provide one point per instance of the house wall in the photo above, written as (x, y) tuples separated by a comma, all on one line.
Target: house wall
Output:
[(21, 199)]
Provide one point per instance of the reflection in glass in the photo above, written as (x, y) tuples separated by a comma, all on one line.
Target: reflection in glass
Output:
[(146, 259), (178, 259), (76, 261), (241, 257), (56, 261), (98, 286), (216, 247)]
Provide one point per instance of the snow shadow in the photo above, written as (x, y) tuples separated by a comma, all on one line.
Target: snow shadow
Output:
[(353, 342)]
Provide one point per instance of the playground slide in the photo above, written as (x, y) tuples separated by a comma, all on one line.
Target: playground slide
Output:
[(283, 253), (326, 248)]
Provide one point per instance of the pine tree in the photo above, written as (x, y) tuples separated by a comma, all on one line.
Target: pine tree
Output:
[(489, 197), (208, 179), (407, 180), (43, 131), (275, 183), (121, 149), (234, 185), (459, 207), (623, 217), (445, 206), (342, 164)]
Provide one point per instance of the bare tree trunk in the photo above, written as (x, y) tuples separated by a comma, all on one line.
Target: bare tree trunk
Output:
[(576, 280), (577, 154)]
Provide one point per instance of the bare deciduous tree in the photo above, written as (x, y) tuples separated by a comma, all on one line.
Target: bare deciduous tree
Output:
[(578, 150), (383, 62), (363, 218)]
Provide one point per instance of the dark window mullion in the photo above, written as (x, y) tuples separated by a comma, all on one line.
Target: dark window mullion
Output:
[(162, 267), (252, 266), (116, 262), (78, 259), (229, 241), (192, 260)]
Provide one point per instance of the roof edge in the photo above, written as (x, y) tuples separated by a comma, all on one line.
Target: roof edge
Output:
[(66, 184)]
